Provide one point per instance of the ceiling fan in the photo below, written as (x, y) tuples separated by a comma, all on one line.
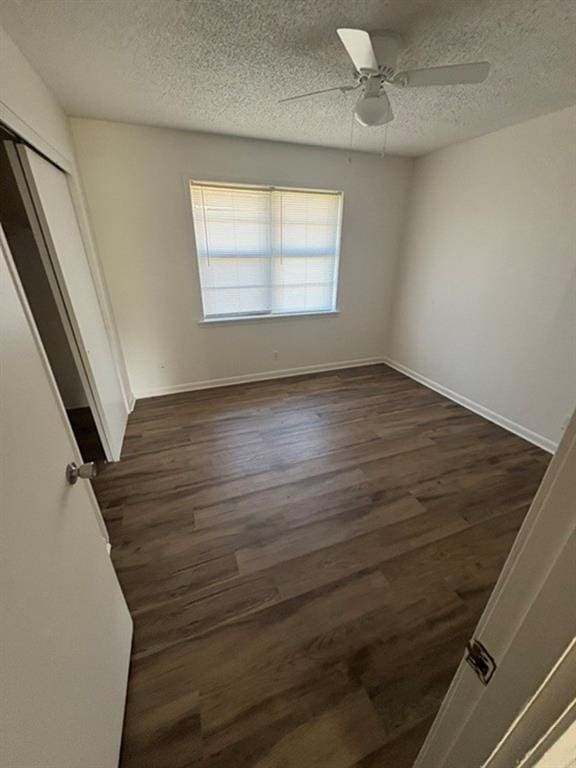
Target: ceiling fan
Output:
[(374, 57)]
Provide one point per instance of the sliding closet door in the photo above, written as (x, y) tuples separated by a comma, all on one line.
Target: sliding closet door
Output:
[(56, 228)]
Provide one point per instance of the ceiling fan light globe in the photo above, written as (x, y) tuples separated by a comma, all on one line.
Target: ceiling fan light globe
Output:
[(371, 111)]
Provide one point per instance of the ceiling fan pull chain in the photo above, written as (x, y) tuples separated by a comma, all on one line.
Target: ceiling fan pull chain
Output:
[(351, 138), (385, 140)]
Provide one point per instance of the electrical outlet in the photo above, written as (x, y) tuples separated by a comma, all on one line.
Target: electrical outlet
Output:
[(275, 354)]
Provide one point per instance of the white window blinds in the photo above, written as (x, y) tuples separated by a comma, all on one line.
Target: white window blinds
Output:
[(266, 251)]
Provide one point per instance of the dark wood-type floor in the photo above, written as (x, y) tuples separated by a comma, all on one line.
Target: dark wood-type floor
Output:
[(305, 560)]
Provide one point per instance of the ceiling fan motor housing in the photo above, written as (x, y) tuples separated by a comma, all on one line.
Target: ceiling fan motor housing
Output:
[(371, 111), (373, 107)]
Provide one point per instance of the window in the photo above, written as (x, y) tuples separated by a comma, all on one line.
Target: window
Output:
[(266, 251)]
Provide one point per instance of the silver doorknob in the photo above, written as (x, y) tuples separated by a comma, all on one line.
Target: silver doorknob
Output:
[(85, 471)]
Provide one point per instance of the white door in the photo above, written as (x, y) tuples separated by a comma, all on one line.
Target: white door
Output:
[(527, 627), (65, 629), (44, 189)]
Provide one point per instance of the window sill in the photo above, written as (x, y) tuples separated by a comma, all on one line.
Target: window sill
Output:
[(259, 318)]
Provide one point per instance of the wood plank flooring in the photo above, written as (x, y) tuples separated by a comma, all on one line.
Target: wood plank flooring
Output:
[(305, 560)]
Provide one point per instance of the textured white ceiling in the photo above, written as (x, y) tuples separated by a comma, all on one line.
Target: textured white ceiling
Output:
[(221, 65)]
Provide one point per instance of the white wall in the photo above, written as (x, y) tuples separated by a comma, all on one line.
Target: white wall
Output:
[(136, 184), (486, 286), (29, 108)]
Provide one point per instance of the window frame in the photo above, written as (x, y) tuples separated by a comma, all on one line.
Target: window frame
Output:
[(250, 317)]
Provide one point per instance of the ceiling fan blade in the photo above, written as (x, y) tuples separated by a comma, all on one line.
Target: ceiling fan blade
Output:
[(342, 88), (359, 47), (455, 74)]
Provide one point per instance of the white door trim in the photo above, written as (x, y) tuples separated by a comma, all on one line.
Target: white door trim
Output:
[(20, 127)]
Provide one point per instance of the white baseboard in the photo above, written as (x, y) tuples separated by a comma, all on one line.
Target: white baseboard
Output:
[(131, 402), (517, 429), (512, 426), (252, 377)]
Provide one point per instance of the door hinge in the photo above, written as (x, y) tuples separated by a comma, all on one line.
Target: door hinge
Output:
[(480, 660)]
